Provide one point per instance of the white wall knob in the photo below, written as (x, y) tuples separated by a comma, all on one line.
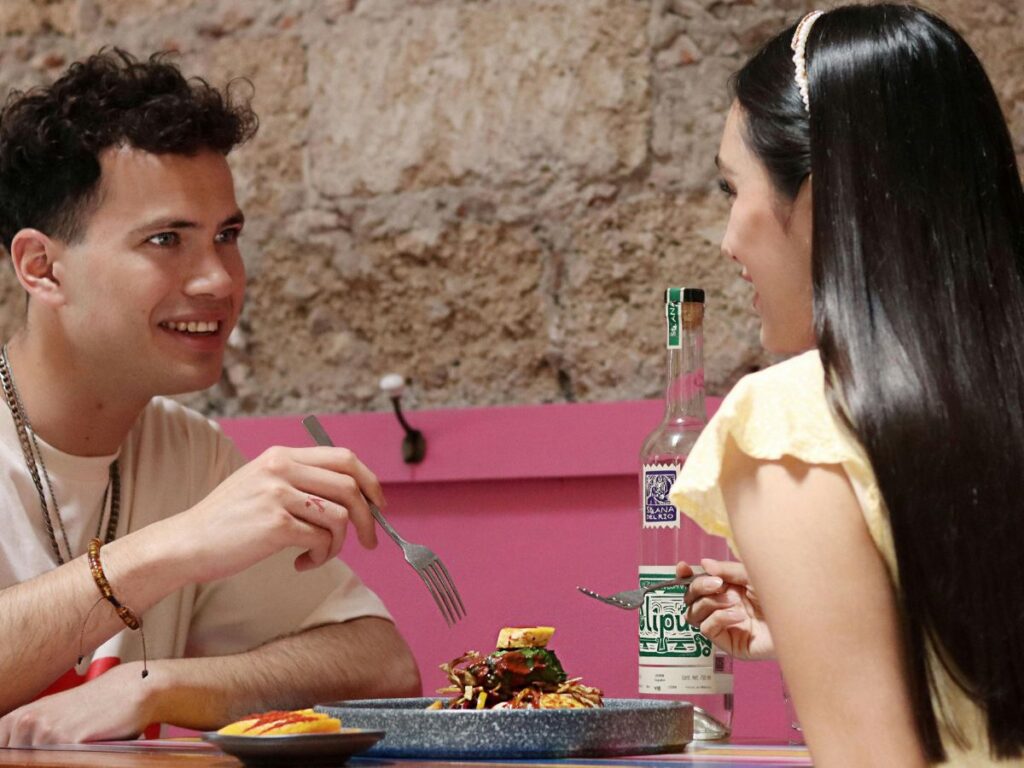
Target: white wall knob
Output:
[(393, 384)]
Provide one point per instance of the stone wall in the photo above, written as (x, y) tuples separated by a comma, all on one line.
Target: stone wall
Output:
[(488, 196)]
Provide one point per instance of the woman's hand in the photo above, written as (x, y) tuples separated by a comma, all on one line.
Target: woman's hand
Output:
[(725, 607)]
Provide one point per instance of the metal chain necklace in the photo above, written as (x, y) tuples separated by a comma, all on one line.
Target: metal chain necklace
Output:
[(35, 463)]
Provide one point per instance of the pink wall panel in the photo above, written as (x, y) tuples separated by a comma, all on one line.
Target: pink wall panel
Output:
[(522, 504), (524, 442)]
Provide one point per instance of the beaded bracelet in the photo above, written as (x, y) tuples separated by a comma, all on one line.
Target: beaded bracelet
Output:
[(126, 614)]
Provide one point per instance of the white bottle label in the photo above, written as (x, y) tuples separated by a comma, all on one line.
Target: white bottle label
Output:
[(677, 681), (658, 511), (675, 658)]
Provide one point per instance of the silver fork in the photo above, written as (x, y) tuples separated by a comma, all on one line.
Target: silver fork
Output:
[(632, 599), (423, 560)]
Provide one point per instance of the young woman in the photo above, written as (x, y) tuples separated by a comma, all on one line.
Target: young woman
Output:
[(869, 482)]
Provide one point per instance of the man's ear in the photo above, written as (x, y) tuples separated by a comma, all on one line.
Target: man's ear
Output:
[(36, 260)]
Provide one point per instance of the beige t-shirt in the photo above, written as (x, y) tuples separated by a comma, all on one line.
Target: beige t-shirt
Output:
[(171, 459), (783, 411)]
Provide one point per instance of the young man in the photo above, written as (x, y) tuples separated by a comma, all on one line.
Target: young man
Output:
[(118, 210)]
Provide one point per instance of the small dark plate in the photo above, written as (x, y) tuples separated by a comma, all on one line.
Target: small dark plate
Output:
[(315, 750)]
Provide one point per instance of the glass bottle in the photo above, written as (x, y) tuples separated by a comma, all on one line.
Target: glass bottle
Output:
[(676, 661)]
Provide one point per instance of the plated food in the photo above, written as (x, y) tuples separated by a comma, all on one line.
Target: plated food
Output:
[(295, 750), (278, 723), (521, 673)]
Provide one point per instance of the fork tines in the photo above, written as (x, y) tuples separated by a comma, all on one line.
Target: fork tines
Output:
[(442, 589), (634, 602), (423, 560)]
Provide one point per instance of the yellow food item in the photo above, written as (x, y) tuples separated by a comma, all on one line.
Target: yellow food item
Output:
[(524, 637), (278, 722), (559, 701)]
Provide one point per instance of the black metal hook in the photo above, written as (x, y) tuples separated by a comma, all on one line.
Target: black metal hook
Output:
[(414, 444)]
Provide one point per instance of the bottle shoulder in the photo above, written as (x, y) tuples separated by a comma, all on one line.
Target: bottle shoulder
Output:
[(671, 439)]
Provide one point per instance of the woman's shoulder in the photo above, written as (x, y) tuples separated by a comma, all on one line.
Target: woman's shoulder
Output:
[(778, 411), (799, 376), (781, 411), (784, 410)]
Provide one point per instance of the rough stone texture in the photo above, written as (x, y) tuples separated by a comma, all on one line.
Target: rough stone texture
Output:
[(622, 255), (513, 97), (488, 197)]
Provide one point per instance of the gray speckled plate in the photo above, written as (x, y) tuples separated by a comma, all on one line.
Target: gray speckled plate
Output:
[(620, 727)]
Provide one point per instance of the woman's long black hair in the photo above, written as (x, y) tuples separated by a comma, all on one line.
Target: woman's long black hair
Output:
[(918, 273)]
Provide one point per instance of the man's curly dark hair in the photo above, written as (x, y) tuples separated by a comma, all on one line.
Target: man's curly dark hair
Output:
[(51, 138)]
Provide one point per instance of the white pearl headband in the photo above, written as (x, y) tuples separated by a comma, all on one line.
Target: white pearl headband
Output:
[(799, 45)]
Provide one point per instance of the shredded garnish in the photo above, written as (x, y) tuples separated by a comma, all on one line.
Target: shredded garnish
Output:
[(512, 679)]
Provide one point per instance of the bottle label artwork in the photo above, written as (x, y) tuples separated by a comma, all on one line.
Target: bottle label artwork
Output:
[(674, 656), (659, 512)]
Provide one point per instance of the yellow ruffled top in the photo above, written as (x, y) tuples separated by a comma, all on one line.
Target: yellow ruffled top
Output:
[(783, 411), (780, 411)]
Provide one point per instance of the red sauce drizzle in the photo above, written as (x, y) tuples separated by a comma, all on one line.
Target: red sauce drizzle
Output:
[(269, 720)]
